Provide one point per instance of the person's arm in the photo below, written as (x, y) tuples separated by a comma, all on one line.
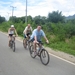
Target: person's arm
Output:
[(16, 32), (8, 31), (25, 31), (46, 39), (43, 34), (35, 37), (31, 29)]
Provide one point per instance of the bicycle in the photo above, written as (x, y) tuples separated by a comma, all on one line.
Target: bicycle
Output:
[(41, 52), (12, 43), (25, 42)]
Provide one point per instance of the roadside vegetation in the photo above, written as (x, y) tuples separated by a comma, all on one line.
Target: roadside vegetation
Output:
[(60, 32)]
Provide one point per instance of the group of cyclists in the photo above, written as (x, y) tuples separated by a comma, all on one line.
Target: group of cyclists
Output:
[(35, 37)]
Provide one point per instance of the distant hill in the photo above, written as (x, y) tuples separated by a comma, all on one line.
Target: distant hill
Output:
[(70, 17)]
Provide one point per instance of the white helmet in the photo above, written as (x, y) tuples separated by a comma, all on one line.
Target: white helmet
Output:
[(12, 25)]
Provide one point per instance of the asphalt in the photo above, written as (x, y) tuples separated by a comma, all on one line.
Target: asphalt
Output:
[(21, 63)]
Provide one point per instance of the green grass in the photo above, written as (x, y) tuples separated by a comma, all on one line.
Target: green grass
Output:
[(64, 47)]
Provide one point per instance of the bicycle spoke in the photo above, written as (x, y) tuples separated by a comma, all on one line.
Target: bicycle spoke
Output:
[(13, 46), (32, 52), (24, 43), (44, 56)]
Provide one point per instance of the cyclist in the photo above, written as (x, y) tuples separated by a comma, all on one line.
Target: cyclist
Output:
[(27, 30), (11, 32), (36, 37)]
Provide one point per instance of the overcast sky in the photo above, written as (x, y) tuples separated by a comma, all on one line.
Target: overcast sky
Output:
[(36, 7)]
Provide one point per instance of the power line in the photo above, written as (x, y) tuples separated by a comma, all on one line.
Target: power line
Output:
[(26, 13), (12, 9)]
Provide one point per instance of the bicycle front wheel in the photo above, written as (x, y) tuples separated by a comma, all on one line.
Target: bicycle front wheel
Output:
[(25, 43), (31, 49), (44, 57), (13, 46)]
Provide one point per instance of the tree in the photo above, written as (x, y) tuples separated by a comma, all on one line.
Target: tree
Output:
[(39, 20), (15, 19), (55, 17), (2, 19), (29, 19)]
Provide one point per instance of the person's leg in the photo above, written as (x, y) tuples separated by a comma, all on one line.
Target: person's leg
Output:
[(34, 44), (9, 40), (24, 38), (40, 44), (13, 37)]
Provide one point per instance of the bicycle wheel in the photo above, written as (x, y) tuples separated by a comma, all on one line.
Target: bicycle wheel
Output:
[(28, 44), (10, 44), (24, 43), (13, 46), (31, 49), (44, 57)]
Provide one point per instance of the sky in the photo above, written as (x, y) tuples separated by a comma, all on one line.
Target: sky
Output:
[(36, 7)]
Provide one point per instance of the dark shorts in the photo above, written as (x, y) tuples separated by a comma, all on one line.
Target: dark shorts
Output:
[(37, 40), (26, 34), (10, 35)]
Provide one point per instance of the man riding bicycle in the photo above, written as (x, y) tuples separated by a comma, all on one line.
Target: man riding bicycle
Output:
[(11, 32), (27, 30), (36, 36)]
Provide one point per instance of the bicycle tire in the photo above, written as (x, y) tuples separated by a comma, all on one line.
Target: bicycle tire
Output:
[(24, 45), (10, 44), (28, 43), (42, 55), (13, 46), (31, 50)]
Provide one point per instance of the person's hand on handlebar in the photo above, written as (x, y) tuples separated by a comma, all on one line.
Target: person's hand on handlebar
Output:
[(16, 35), (47, 41)]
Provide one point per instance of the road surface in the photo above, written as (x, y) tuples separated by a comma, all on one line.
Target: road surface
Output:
[(21, 63)]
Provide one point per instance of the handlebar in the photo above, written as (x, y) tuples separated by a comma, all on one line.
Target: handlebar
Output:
[(42, 43)]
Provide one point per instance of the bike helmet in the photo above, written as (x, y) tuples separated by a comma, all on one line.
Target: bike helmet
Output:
[(12, 25)]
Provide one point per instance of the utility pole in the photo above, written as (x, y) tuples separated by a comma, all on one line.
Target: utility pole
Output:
[(8, 15), (12, 11), (26, 13)]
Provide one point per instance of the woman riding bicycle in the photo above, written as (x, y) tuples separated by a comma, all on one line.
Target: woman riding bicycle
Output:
[(11, 32)]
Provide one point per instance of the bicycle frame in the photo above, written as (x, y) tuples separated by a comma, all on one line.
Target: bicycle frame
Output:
[(40, 46), (12, 43)]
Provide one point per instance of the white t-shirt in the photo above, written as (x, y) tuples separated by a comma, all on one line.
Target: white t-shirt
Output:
[(11, 31), (28, 30)]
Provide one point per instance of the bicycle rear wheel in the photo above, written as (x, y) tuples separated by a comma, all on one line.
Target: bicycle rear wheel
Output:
[(44, 57), (31, 49)]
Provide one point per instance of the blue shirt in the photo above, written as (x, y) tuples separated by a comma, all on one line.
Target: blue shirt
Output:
[(38, 34)]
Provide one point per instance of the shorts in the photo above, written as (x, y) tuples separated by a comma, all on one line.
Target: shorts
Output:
[(37, 40), (26, 34), (10, 35)]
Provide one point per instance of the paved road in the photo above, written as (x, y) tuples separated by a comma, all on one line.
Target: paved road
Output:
[(20, 62)]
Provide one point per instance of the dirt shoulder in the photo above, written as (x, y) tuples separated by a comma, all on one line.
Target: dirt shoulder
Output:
[(63, 55)]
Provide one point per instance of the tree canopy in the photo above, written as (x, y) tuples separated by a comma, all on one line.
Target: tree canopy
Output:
[(2, 19)]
